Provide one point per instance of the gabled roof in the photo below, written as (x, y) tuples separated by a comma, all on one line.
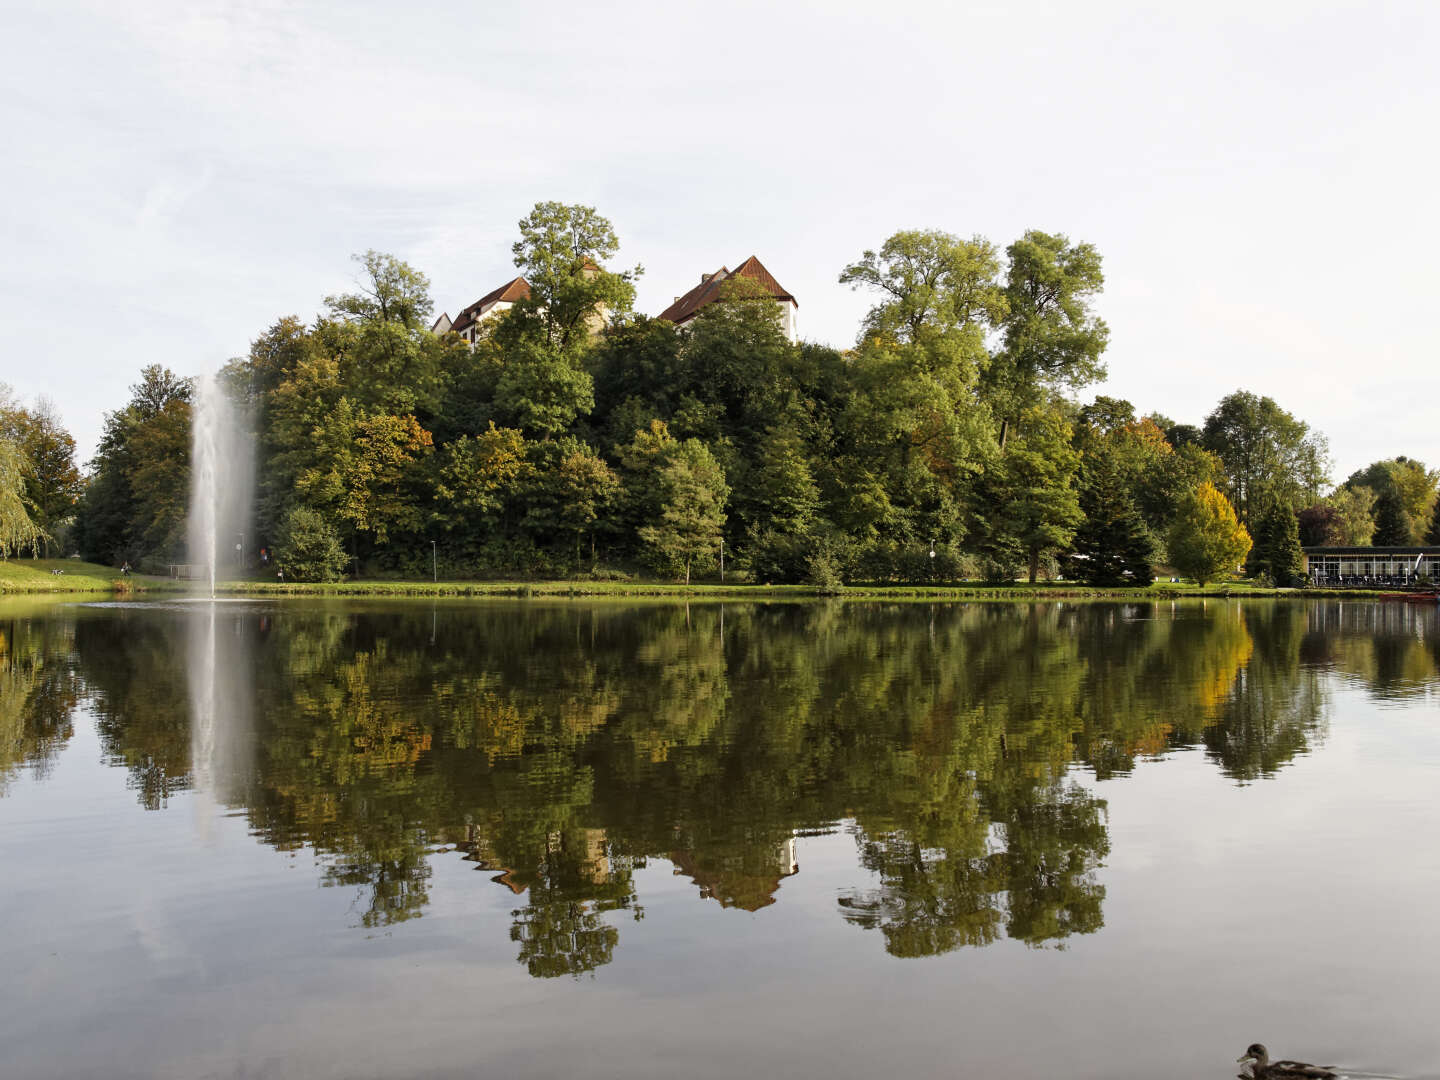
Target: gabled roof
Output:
[(445, 319), (512, 291), (708, 291)]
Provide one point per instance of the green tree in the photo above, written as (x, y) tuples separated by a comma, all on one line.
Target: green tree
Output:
[(562, 253), (478, 476), (1413, 485), (1354, 522), (783, 514), (308, 548), (693, 513), (138, 491), (391, 291), (543, 391), (1052, 340), (381, 484), (1282, 557), (570, 492), (1432, 535), (936, 290), (1112, 542), (1026, 505), (1392, 525), (1269, 455), (17, 530), (1206, 539), (53, 484)]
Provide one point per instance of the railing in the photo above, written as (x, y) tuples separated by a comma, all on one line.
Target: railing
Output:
[(1369, 581)]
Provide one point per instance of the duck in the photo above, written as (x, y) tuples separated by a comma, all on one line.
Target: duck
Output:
[(1262, 1068)]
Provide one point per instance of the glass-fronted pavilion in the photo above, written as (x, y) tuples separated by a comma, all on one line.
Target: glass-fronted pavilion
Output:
[(1371, 565)]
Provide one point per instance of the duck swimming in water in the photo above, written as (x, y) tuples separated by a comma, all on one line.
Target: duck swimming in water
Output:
[(1262, 1068)]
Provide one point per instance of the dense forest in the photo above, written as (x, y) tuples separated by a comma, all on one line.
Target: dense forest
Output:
[(577, 437)]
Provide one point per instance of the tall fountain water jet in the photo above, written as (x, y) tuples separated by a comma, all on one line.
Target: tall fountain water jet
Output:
[(222, 476)]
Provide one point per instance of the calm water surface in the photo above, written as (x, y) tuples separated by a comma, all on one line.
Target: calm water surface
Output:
[(521, 839)]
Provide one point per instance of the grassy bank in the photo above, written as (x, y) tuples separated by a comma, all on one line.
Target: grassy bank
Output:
[(29, 576), (620, 590), (70, 576)]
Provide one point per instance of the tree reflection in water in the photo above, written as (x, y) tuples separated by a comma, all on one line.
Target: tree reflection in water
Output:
[(559, 748)]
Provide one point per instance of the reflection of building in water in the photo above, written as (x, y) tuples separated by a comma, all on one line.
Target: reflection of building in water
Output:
[(747, 879)]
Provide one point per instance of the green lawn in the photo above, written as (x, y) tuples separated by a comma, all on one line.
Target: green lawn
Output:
[(38, 575)]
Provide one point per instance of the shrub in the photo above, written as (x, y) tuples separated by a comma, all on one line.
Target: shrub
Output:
[(309, 548)]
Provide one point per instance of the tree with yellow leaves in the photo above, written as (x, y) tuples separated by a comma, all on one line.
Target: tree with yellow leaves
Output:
[(1206, 539)]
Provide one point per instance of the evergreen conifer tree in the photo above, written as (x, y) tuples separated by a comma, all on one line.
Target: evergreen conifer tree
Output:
[(1282, 556), (1112, 543), (1391, 528), (1432, 536)]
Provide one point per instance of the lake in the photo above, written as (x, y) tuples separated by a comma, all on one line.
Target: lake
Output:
[(534, 839)]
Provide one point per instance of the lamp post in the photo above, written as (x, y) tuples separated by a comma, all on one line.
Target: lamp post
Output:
[(240, 547), (434, 564)]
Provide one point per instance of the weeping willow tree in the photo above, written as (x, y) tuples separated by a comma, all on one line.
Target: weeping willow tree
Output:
[(17, 531)]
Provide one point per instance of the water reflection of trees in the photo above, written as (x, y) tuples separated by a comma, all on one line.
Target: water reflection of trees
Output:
[(38, 693), (559, 748)]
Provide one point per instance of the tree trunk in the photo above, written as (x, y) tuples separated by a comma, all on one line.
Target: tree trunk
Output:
[(687, 571), (1034, 564)]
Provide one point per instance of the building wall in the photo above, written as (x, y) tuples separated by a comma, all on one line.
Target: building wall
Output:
[(1375, 565)]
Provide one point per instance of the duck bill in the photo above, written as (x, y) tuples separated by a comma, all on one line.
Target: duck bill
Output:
[(1245, 1059)]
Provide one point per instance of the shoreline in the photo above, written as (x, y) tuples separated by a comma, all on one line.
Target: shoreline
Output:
[(140, 588)]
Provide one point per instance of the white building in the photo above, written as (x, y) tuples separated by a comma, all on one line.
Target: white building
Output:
[(467, 323), (709, 290)]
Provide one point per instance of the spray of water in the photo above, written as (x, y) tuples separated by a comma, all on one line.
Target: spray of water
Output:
[(222, 476)]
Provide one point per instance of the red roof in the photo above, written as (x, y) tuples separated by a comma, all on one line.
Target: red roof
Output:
[(708, 291), (513, 290)]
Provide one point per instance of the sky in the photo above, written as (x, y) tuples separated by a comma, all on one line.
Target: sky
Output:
[(1258, 177)]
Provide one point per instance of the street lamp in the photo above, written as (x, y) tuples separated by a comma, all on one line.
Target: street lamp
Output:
[(240, 547), (434, 565)]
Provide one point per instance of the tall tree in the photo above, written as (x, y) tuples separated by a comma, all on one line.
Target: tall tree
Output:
[(936, 291), (391, 291), (137, 496), (1052, 338), (1026, 505), (1282, 557), (562, 253), (52, 481), (1413, 484), (17, 530), (692, 516), (1112, 541), (1269, 455), (1392, 525)]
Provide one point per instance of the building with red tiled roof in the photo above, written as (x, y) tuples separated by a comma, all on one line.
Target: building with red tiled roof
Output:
[(709, 290), (467, 323)]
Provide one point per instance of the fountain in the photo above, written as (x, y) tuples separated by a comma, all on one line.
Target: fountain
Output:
[(222, 471)]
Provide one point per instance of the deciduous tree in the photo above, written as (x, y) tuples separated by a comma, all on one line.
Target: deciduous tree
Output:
[(1268, 454), (1052, 338), (693, 514), (1206, 539)]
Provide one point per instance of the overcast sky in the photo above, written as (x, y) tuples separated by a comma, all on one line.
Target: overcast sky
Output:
[(1259, 177)]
